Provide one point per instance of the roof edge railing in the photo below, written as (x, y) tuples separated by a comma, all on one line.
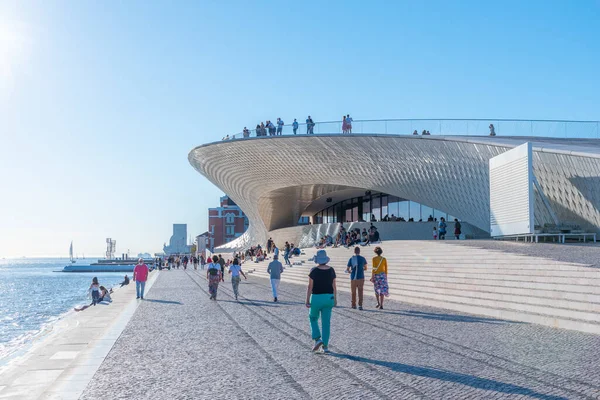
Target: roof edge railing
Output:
[(448, 126)]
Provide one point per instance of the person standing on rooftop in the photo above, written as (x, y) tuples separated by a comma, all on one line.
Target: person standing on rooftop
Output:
[(492, 130), (280, 124), (357, 265), (321, 297), (349, 123), (140, 276), (309, 126), (344, 124), (271, 128), (379, 277), (235, 270), (263, 130), (295, 126), (213, 274), (274, 270)]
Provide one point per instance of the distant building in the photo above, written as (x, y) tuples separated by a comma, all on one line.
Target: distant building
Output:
[(202, 243), (178, 241), (225, 223)]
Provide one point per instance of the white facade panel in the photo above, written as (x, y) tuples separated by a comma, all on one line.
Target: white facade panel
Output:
[(511, 192)]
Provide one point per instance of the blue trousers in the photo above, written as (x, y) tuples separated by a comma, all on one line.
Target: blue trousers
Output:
[(139, 288), (320, 306)]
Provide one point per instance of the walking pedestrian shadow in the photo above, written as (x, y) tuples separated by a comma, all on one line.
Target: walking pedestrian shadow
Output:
[(449, 376), (446, 317), (251, 303), (163, 301)]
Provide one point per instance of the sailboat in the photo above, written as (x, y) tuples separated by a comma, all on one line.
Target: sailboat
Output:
[(71, 253)]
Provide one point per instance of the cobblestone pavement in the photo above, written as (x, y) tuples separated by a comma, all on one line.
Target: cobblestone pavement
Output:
[(181, 345), (583, 253)]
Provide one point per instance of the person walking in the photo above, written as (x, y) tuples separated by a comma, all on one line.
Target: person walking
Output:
[(321, 297), (457, 229), (379, 277), (295, 126), (235, 270), (357, 265), (213, 274), (195, 261), (202, 262), (274, 270), (286, 253), (140, 276), (275, 250), (222, 264), (442, 228)]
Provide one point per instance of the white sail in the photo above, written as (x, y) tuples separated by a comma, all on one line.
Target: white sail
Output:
[(71, 252)]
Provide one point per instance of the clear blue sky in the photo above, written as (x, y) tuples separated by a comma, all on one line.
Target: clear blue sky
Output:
[(101, 102)]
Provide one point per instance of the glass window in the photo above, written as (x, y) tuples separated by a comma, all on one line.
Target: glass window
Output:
[(393, 206), (229, 218), (384, 207), (366, 216), (376, 208), (415, 211), (348, 217), (403, 210), (426, 213), (439, 214), (355, 213), (230, 229)]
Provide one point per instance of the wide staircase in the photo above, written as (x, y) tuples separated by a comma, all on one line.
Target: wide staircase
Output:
[(472, 280)]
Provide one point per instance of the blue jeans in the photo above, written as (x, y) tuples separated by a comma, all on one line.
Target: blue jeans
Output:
[(139, 288), (286, 256)]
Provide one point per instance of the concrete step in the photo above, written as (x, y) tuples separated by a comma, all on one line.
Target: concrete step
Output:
[(550, 316)]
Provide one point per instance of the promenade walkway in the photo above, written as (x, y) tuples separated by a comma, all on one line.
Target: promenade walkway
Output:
[(181, 345)]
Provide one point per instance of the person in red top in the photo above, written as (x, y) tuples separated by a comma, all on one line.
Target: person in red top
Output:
[(140, 276)]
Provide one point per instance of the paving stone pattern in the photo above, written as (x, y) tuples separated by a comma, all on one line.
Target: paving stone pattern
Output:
[(181, 345)]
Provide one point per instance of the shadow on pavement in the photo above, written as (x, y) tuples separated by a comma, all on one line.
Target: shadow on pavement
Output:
[(448, 317), (163, 301), (449, 376)]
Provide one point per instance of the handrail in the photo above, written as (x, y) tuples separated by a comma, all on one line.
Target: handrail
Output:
[(450, 126)]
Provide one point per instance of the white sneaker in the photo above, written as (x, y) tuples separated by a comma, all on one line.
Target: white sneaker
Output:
[(318, 344)]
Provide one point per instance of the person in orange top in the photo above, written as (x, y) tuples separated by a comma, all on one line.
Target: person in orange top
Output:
[(379, 277)]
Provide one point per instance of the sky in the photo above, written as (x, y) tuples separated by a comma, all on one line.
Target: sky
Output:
[(101, 101)]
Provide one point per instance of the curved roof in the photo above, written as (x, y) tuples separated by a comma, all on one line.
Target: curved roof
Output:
[(274, 179)]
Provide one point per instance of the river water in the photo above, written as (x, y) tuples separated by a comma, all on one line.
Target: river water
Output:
[(33, 297)]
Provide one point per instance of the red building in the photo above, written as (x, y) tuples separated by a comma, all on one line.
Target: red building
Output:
[(225, 223)]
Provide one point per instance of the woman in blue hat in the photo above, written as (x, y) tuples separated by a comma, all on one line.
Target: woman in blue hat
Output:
[(321, 297)]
